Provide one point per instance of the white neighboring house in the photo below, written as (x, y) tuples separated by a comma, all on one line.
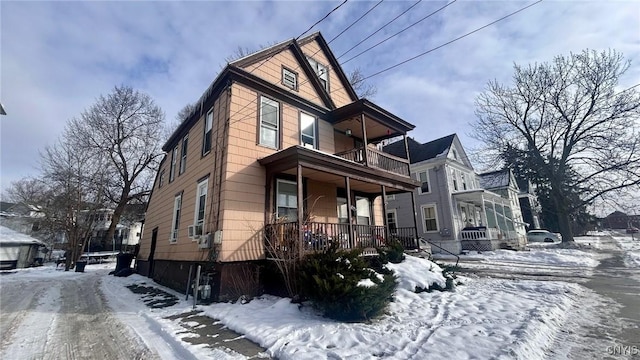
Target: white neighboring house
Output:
[(125, 235), (455, 211), (18, 250)]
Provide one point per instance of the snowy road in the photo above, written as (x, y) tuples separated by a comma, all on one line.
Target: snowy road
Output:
[(62, 317)]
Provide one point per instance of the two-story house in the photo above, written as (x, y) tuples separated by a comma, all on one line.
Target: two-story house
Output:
[(455, 213), (279, 144)]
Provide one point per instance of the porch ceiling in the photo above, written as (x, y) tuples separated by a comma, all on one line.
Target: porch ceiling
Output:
[(379, 123), (333, 169)]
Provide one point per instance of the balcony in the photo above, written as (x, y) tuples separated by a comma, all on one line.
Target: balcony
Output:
[(377, 159)]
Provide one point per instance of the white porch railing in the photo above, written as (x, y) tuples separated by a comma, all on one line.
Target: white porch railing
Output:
[(481, 234)]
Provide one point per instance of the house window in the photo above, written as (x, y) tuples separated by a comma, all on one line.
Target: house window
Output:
[(307, 130), (454, 177), (206, 140), (464, 181), (287, 200), (289, 79), (183, 158), (269, 122), (454, 153), (429, 218), (363, 211), (390, 197), (161, 180), (423, 177), (343, 216), (201, 203), (392, 220), (322, 72), (174, 159), (175, 224)]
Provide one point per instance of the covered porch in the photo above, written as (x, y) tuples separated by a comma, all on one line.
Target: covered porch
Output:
[(487, 221), (315, 199)]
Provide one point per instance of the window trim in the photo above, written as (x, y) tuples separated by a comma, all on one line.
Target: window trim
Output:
[(295, 77), (315, 128), (278, 144), (395, 218), (420, 192), (183, 155), (161, 178), (435, 212), (278, 182), (311, 62), (207, 133), (202, 184), (172, 165), (175, 222)]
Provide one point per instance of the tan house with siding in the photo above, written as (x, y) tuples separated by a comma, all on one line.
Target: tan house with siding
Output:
[(279, 144)]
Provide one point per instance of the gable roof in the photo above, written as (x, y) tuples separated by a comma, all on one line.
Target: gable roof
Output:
[(494, 179), (420, 152)]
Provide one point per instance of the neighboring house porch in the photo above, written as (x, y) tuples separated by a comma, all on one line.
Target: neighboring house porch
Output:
[(489, 221)]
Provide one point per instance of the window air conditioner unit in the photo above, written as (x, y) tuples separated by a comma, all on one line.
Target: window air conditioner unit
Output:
[(204, 242)]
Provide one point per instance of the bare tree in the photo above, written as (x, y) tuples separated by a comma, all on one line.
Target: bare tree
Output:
[(360, 85), (579, 133), (181, 116), (124, 130), (71, 193)]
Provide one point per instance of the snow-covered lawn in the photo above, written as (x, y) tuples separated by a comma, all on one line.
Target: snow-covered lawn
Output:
[(482, 318), (631, 246), (538, 256)]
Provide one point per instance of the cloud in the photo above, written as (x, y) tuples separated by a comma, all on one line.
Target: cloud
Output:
[(57, 57)]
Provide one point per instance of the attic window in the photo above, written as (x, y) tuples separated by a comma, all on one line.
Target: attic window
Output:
[(322, 72), (455, 154), (289, 79)]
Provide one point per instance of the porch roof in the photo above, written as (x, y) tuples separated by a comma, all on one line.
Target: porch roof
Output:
[(380, 124), (476, 196), (333, 169)]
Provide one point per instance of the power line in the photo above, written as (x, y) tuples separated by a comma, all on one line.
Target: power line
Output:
[(451, 41), (380, 29), (399, 32), (353, 23), (319, 21)]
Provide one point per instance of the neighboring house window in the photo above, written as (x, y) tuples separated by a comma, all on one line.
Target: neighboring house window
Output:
[(307, 130), (206, 140), (175, 224), (287, 200), (269, 122), (343, 217), (429, 218), (322, 72), (455, 154), (201, 204), (363, 211), (391, 220), (183, 154), (289, 79), (454, 177), (464, 181), (174, 160), (161, 180), (391, 197), (423, 177)]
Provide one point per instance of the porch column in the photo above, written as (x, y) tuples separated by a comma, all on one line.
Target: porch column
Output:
[(300, 210), (347, 184), (495, 214), (415, 218), (406, 150), (268, 205), (364, 141), (384, 213)]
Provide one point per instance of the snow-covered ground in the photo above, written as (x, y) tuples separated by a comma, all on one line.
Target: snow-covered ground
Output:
[(481, 318), (631, 246)]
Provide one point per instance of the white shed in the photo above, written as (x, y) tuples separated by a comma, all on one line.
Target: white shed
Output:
[(18, 250)]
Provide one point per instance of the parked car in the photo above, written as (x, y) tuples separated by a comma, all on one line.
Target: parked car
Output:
[(542, 236), (632, 230)]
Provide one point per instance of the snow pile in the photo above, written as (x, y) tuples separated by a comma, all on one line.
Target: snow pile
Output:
[(487, 317), (631, 247), (8, 236), (541, 256)]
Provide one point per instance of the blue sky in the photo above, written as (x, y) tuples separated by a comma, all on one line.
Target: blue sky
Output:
[(58, 57)]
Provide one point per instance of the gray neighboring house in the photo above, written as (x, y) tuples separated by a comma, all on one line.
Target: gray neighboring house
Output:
[(455, 212)]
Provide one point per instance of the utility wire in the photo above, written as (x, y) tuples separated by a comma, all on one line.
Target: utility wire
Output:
[(380, 29), (399, 32), (319, 21), (451, 41), (353, 23)]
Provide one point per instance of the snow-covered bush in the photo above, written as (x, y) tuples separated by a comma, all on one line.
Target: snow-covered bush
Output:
[(343, 287)]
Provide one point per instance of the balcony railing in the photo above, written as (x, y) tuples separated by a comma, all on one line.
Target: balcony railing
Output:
[(285, 237), (377, 159)]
